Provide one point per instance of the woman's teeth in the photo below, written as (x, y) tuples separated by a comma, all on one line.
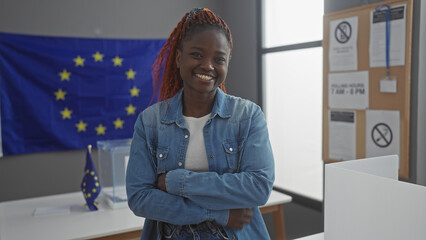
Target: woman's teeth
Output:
[(204, 77)]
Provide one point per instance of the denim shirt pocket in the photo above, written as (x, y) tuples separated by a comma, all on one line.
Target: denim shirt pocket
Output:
[(160, 155), (232, 150)]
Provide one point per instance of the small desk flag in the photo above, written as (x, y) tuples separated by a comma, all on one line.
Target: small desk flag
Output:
[(90, 185)]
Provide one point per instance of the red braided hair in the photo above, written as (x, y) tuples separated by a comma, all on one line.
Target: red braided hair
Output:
[(166, 78)]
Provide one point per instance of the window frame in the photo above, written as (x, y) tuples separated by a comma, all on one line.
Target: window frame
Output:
[(261, 52)]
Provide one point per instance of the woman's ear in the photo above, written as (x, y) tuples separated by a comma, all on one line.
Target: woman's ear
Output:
[(178, 56)]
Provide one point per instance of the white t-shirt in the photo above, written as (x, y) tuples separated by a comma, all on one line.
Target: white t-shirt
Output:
[(196, 156)]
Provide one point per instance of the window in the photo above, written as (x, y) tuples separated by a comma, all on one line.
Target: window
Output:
[(292, 94)]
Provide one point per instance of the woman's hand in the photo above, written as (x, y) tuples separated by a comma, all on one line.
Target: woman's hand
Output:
[(238, 217), (161, 182)]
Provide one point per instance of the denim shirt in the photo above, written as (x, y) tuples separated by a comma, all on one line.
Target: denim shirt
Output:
[(240, 162)]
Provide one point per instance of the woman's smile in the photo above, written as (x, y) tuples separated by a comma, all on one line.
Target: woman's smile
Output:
[(204, 77)]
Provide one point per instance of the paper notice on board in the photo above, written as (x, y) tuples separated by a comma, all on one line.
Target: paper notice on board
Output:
[(341, 135), (342, 53), (382, 133), (348, 90), (397, 37)]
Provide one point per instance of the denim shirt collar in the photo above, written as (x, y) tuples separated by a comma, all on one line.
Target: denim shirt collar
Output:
[(174, 111)]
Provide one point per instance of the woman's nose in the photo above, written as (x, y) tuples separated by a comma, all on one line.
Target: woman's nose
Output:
[(207, 65)]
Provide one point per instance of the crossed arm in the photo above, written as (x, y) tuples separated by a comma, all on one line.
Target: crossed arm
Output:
[(237, 217), (228, 199)]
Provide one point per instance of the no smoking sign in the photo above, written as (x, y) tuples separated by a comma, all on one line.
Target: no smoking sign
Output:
[(382, 135), (343, 32)]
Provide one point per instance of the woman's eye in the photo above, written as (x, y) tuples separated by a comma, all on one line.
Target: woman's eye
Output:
[(221, 60), (195, 54)]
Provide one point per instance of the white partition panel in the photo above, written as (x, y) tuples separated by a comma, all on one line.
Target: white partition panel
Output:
[(364, 200)]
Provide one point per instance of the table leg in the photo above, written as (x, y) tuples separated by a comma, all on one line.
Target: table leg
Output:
[(279, 223), (278, 214)]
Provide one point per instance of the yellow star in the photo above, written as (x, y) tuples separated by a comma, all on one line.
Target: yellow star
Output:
[(130, 74), (79, 61), (66, 113), (81, 126), (98, 57), (65, 75), (100, 129), (130, 109), (118, 123), (134, 92), (60, 95), (117, 61)]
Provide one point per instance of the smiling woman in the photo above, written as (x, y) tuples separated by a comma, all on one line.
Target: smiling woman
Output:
[(200, 160), (166, 70), (203, 64)]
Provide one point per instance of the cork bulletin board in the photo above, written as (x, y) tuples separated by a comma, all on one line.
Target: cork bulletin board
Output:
[(366, 106)]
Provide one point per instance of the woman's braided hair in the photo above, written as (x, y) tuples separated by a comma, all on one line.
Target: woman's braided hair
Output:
[(166, 78)]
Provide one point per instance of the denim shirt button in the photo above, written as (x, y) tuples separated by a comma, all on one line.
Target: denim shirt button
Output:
[(161, 155), (230, 149), (180, 164), (211, 156), (207, 131), (186, 136)]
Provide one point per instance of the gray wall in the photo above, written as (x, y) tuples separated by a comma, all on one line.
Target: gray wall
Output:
[(31, 175), (242, 78)]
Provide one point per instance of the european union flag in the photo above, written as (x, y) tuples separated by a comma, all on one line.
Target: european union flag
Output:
[(62, 93), (90, 185)]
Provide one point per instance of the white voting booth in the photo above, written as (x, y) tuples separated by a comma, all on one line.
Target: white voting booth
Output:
[(364, 200)]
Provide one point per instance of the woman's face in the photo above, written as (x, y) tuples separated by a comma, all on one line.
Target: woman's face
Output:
[(203, 61)]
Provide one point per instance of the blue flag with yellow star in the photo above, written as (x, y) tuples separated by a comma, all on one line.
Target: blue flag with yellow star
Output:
[(90, 184), (62, 93)]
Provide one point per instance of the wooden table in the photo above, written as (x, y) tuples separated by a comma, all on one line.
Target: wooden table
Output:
[(17, 221), (275, 206)]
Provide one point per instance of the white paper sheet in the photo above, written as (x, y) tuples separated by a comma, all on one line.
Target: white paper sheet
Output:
[(382, 133), (397, 37), (341, 135), (54, 210), (342, 53), (348, 90)]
